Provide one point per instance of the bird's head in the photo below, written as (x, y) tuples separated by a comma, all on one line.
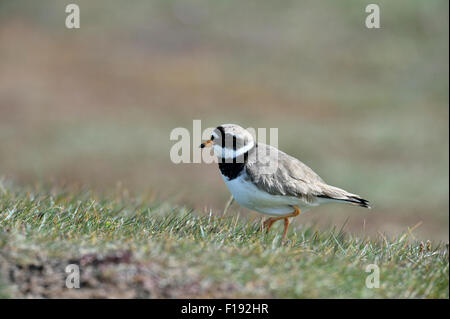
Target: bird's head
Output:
[(230, 141)]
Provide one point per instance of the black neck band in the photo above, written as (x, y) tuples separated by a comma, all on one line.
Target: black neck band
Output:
[(232, 169)]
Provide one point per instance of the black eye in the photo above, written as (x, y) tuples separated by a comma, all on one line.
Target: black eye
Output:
[(212, 137)]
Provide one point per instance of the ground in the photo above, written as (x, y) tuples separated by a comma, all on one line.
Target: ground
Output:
[(141, 248)]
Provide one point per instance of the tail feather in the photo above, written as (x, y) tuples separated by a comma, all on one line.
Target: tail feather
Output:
[(334, 193), (359, 201)]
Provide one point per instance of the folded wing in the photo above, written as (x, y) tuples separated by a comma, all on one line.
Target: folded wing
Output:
[(277, 173)]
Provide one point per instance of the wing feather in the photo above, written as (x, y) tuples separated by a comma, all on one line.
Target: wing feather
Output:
[(280, 174), (277, 173)]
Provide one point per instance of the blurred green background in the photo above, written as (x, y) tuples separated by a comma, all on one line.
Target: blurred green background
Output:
[(367, 109)]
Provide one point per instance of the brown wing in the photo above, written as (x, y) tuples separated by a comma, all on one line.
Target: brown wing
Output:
[(280, 174)]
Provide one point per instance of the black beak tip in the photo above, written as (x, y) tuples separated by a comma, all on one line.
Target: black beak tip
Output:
[(202, 145)]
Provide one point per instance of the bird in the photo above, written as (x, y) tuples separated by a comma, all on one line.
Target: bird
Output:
[(263, 178)]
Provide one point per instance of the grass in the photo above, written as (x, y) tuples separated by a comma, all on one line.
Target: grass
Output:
[(138, 247)]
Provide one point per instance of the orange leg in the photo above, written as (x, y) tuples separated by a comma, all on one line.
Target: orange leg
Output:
[(269, 222), (286, 225)]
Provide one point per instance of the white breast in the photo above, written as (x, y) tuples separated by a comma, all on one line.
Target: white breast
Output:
[(248, 195)]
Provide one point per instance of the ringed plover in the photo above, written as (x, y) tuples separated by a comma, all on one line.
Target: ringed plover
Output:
[(267, 180)]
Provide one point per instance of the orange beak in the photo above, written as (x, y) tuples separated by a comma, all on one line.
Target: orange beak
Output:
[(208, 143)]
